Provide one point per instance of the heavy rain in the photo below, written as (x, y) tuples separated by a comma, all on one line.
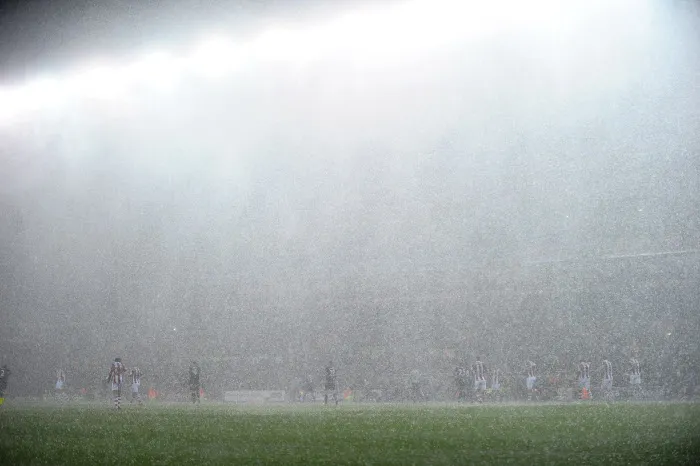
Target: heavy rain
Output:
[(401, 188)]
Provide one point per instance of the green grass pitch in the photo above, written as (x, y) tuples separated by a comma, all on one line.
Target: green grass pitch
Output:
[(594, 433)]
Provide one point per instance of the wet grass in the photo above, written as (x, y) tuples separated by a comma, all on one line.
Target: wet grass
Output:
[(352, 434)]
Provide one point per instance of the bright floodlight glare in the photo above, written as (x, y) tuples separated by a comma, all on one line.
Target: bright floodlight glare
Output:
[(279, 44), (387, 33), (214, 57), (45, 91), (376, 35), (9, 105), (98, 81), (156, 70), (41, 93)]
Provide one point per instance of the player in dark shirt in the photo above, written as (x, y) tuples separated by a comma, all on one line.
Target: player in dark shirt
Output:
[(635, 374), (307, 389), (416, 389), (331, 385), (460, 376), (194, 383)]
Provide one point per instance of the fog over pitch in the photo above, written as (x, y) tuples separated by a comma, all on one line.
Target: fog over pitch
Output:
[(389, 213)]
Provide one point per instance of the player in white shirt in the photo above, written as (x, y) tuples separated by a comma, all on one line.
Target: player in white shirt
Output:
[(531, 381), (584, 376), (479, 370), (496, 384), (607, 384), (60, 385), (135, 376), (635, 373)]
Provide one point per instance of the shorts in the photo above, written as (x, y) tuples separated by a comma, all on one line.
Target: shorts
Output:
[(495, 386), (59, 385), (607, 384), (134, 388), (530, 381), (479, 385), (116, 386), (635, 379)]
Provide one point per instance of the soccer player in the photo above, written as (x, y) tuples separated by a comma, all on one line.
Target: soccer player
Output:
[(416, 392), (4, 375), (496, 384), (690, 378), (635, 374), (116, 378), (460, 375), (135, 384), (584, 379), (307, 388), (479, 370), (607, 385), (60, 385), (194, 382), (531, 381), (331, 384)]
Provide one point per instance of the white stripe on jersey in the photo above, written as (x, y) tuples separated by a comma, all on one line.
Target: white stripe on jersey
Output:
[(135, 376), (584, 370), (116, 373)]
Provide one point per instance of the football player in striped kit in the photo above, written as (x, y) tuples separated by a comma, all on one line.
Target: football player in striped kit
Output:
[(479, 370), (531, 380), (584, 377), (135, 377), (607, 385), (116, 378)]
